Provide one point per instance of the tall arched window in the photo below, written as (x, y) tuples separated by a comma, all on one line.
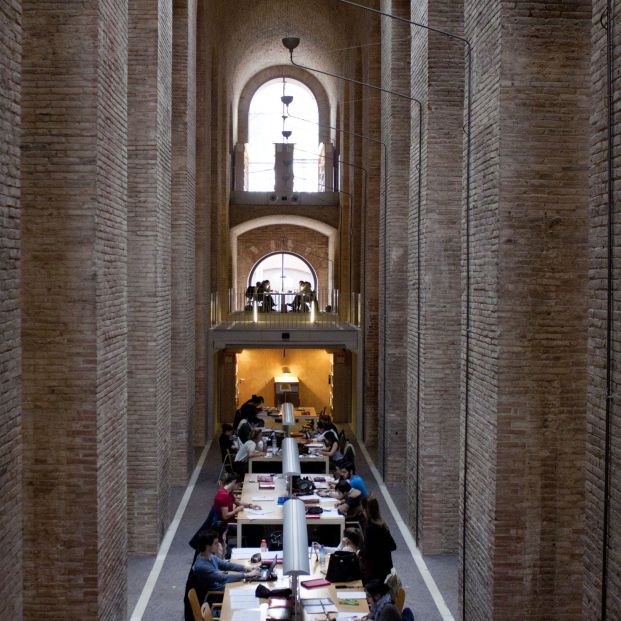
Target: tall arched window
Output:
[(284, 270), (265, 125)]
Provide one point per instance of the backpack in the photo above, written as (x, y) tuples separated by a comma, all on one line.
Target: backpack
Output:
[(407, 614), (394, 583), (212, 518)]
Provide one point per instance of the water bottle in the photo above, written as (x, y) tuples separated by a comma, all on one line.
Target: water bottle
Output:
[(322, 558), (263, 545)]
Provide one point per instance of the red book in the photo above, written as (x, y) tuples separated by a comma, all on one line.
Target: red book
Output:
[(314, 583)]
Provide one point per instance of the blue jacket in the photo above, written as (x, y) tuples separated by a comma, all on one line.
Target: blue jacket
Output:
[(210, 573), (357, 483)]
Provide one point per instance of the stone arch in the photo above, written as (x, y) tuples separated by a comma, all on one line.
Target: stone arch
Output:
[(288, 71), (320, 227)]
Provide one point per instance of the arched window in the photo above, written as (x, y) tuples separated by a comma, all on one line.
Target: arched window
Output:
[(265, 125), (284, 270)]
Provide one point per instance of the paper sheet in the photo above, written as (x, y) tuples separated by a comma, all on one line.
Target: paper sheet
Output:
[(351, 595), (350, 616), (316, 610), (241, 598), (252, 614), (258, 511)]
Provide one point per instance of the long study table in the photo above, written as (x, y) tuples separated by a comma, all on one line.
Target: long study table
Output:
[(240, 604), (266, 495), (272, 462)]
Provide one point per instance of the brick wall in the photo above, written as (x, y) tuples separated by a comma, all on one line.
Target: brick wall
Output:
[(10, 348), (393, 245), (528, 348), (74, 308), (149, 292), (596, 396), (255, 244), (183, 234), (437, 80)]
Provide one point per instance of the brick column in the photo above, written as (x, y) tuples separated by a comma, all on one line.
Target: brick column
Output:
[(10, 347), (433, 383), (527, 363), (373, 158), (73, 298), (394, 234), (149, 294), (183, 208), (202, 220), (598, 302)]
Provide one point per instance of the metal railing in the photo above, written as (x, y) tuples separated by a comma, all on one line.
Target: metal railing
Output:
[(287, 309)]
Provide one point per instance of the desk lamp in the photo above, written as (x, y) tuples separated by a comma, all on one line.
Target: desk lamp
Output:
[(295, 547), (290, 461)]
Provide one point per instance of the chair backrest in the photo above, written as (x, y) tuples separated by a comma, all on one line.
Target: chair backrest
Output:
[(400, 600), (195, 604)]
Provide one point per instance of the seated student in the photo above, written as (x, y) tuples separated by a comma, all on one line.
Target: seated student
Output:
[(345, 470), (331, 450), (376, 553), (244, 430), (250, 410), (251, 448), (381, 606), (349, 499), (351, 541), (225, 503), (209, 570), (226, 440)]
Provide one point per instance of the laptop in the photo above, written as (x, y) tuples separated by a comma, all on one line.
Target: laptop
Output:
[(266, 572)]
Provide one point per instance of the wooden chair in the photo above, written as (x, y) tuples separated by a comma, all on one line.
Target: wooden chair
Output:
[(195, 604), (209, 613), (400, 599)]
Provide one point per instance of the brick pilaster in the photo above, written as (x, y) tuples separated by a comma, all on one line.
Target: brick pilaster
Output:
[(527, 364), (183, 234), (598, 299), (10, 347), (149, 293), (437, 80), (393, 245), (73, 296)]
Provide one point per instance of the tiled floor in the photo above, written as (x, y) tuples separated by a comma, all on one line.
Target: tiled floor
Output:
[(166, 601)]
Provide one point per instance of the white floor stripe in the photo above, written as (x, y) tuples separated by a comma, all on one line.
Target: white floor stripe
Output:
[(147, 590), (432, 587)]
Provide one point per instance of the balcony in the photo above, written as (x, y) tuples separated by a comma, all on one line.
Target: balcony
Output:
[(283, 318)]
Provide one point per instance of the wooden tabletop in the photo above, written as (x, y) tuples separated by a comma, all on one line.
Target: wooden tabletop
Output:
[(271, 512), (277, 458), (241, 555)]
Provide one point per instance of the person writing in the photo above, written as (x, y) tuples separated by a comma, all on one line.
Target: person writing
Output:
[(349, 500), (225, 504), (345, 470)]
